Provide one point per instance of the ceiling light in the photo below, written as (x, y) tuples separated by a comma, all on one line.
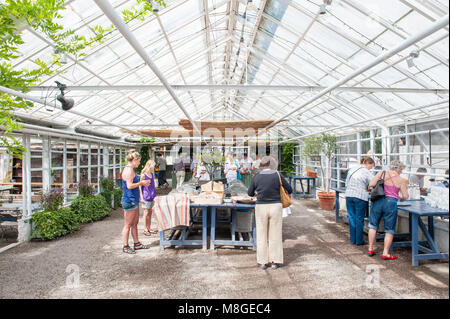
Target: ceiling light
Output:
[(322, 9), (414, 54), (66, 103), (327, 2), (155, 6)]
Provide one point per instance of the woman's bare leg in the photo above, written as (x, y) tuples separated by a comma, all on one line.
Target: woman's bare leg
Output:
[(128, 224), (134, 229), (147, 219), (388, 238), (372, 238)]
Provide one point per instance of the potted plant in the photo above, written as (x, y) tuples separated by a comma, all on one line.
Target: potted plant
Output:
[(325, 144), (212, 161)]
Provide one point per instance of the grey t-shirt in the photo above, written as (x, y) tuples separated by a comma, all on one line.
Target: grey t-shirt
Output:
[(415, 180), (162, 164)]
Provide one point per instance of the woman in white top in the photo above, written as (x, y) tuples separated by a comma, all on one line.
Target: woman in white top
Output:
[(231, 168), (357, 198)]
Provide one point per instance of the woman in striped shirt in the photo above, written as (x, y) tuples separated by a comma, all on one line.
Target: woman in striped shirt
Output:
[(357, 198)]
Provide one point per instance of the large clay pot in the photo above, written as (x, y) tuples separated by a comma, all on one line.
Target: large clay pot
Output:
[(327, 200)]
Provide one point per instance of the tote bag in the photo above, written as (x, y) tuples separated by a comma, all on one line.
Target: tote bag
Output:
[(285, 198), (378, 191)]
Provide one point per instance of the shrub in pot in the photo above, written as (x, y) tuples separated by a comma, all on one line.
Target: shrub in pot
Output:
[(315, 146)]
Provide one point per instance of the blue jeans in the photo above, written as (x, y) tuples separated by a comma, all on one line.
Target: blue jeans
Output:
[(385, 208), (356, 211)]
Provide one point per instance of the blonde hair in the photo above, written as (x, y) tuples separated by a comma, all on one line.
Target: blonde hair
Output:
[(133, 154), (149, 168), (396, 166)]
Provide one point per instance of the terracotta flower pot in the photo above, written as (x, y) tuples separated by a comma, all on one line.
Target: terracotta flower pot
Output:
[(327, 200)]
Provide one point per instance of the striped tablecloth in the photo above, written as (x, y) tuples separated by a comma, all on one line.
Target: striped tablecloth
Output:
[(172, 211)]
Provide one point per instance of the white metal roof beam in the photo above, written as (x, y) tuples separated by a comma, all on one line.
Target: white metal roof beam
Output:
[(207, 24), (109, 11), (405, 44), (241, 87), (374, 119), (391, 27)]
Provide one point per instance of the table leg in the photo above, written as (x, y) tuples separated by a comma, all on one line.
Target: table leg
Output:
[(213, 228), (295, 187), (414, 239), (314, 187), (205, 227), (233, 225), (337, 206), (161, 240), (303, 189), (431, 226)]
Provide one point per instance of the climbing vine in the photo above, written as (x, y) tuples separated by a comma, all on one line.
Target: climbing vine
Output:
[(41, 16)]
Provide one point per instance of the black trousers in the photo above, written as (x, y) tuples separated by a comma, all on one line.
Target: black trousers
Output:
[(162, 178)]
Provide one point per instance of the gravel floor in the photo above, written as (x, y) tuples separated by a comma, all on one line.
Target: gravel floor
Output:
[(319, 263)]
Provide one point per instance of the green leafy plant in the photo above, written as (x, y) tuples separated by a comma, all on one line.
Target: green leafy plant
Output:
[(212, 160), (52, 200), (52, 224), (41, 16), (107, 184), (90, 208), (287, 164), (144, 158), (86, 190), (147, 140)]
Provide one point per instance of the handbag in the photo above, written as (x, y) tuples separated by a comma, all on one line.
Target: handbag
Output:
[(285, 198), (378, 191)]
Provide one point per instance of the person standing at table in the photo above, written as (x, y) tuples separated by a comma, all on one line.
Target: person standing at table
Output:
[(130, 202), (246, 166), (162, 166), (419, 179), (268, 214), (148, 194), (255, 165), (231, 169), (357, 198), (179, 169), (386, 207)]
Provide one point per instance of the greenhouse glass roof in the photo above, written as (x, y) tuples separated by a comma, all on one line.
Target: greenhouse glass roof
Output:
[(233, 61)]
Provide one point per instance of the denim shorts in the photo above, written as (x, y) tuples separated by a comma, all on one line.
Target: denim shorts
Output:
[(148, 205), (385, 208), (130, 205)]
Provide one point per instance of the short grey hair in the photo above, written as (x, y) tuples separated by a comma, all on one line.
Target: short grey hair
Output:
[(396, 166)]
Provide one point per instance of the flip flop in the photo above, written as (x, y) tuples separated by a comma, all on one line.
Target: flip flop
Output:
[(139, 245), (371, 253), (147, 233)]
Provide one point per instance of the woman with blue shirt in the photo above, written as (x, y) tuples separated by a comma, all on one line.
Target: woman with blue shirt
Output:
[(130, 202), (357, 198)]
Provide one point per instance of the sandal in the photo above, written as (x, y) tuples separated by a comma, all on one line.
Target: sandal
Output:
[(389, 257), (371, 253), (147, 233), (127, 249), (139, 245), (154, 231)]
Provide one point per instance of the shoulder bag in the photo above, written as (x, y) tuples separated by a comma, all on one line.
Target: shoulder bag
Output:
[(378, 191), (285, 197)]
